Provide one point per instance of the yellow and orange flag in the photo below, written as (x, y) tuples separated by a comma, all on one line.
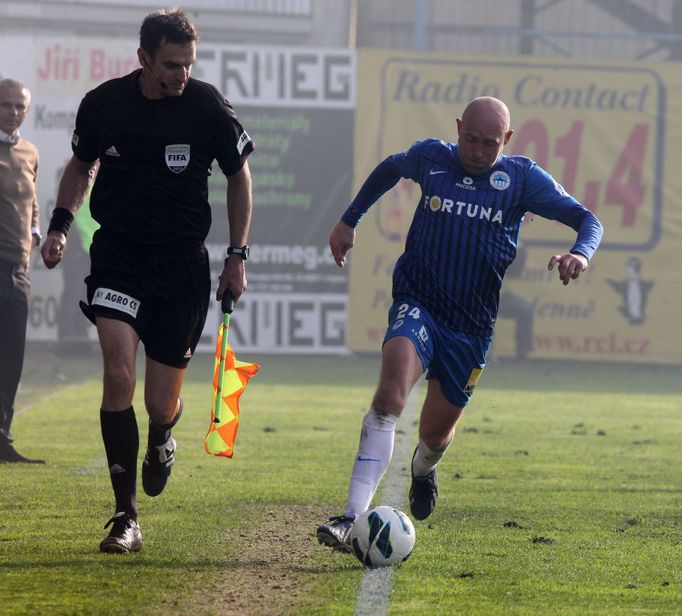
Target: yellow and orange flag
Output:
[(230, 377)]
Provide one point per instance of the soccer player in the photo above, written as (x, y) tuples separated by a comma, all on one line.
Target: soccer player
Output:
[(155, 133), (446, 287)]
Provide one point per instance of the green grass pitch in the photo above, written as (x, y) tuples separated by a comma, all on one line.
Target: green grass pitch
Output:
[(562, 494)]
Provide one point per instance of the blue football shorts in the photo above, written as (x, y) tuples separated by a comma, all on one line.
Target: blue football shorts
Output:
[(455, 359)]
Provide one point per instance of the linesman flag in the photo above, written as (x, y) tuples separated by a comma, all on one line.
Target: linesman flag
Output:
[(230, 377)]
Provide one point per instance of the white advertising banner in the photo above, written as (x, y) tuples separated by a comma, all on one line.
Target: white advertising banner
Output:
[(297, 104)]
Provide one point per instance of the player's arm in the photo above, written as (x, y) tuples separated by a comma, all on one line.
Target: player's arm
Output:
[(72, 191), (342, 237), (574, 262), (570, 265), (341, 240), (239, 209), (550, 200)]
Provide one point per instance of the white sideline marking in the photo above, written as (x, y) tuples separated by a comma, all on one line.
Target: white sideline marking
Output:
[(376, 583), (96, 465)]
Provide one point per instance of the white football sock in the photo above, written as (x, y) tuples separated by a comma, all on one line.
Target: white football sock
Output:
[(374, 454), (425, 459)]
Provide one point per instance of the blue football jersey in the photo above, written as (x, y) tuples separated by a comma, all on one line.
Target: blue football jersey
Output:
[(465, 228)]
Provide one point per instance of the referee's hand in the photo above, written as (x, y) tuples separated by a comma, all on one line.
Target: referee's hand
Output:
[(52, 249), (233, 277)]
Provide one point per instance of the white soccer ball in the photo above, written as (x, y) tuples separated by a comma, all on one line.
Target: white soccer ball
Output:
[(382, 536)]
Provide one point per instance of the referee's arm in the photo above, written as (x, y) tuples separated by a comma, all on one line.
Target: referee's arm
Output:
[(73, 189), (239, 208)]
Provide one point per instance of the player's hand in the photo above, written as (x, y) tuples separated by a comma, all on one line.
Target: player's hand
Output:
[(341, 240), (52, 249), (571, 265), (233, 277)]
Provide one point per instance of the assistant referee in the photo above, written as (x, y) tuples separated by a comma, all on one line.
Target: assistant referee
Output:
[(154, 135)]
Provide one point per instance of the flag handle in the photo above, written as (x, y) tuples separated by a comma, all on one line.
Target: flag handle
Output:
[(227, 305)]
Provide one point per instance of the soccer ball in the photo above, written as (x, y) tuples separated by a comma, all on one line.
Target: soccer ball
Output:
[(382, 536)]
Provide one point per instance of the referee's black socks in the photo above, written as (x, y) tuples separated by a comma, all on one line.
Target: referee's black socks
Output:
[(159, 434), (122, 443)]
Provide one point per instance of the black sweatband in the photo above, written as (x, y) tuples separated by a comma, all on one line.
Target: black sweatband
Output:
[(61, 220)]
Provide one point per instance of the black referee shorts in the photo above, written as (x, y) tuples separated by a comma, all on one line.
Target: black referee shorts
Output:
[(163, 295)]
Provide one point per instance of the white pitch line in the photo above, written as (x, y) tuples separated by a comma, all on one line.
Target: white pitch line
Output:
[(376, 583), (95, 466)]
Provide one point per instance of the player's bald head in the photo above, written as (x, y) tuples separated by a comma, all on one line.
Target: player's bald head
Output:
[(489, 110), (483, 131)]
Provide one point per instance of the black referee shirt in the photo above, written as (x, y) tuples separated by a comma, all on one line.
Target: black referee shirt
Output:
[(155, 158)]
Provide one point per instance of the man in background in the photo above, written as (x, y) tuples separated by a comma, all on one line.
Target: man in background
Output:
[(19, 234), (514, 306)]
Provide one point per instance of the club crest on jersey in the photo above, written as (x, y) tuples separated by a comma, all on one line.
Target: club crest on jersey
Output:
[(177, 157), (500, 180)]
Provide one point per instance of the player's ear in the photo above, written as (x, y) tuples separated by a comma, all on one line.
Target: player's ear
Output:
[(508, 136), (459, 125)]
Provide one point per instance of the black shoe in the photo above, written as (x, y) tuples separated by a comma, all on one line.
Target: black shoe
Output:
[(124, 536), (9, 455), (423, 494), (156, 467), (336, 534)]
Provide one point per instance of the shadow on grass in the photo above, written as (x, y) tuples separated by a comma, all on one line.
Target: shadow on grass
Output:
[(137, 561), (43, 367), (556, 375)]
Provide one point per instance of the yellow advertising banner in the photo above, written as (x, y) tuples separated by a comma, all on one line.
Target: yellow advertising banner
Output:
[(609, 133)]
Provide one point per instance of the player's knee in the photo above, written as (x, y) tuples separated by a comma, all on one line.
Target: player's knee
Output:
[(389, 400), (438, 435), (437, 440), (160, 411), (119, 378), (379, 420)]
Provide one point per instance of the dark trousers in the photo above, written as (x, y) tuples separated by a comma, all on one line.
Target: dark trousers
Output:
[(15, 290), (513, 306)]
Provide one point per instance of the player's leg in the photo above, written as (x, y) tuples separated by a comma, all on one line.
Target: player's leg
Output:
[(407, 351), (162, 398), (182, 287), (436, 431), (400, 369), (452, 377), (119, 342)]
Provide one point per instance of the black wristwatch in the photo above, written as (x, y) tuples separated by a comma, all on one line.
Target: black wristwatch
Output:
[(242, 251)]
